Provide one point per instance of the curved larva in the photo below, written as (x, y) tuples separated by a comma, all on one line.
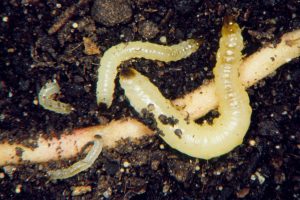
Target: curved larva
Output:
[(114, 56), (46, 99), (205, 141), (81, 165)]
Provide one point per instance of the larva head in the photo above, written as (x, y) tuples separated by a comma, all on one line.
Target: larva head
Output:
[(194, 44), (127, 73), (229, 26)]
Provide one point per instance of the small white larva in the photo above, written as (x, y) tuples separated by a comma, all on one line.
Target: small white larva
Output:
[(114, 56), (81, 165), (205, 141), (46, 99)]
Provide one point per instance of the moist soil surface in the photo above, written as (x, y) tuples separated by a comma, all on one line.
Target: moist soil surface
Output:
[(43, 40)]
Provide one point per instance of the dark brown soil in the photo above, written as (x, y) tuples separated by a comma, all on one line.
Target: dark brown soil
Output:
[(30, 56)]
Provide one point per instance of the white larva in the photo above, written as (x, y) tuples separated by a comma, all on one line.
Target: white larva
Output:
[(114, 56), (46, 99), (81, 165), (205, 141)]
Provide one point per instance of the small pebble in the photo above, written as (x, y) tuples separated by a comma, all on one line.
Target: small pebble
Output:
[(253, 177), (155, 164), (79, 190), (35, 102), (5, 19), (166, 187), (107, 193), (185, 6), (261, 178), (243, 193), (148, 29), (163, 39), (279, 177), (18, 188), (9, 170), (11, 50), (111, 12), (90, 47), (126, 164), (75, 25), (252, 143)]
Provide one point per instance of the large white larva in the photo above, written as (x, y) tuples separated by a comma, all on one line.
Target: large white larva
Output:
[(46, 99), (81, 165), (114, 56), (205, 141)]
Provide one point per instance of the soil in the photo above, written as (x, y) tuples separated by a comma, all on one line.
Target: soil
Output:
[(263, 167)]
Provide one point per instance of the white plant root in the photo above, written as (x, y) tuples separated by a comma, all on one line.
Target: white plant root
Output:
[(196, 103), (71, 144)]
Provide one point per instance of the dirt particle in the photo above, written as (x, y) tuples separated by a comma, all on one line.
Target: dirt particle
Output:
[(260, 177), (107, 193), (279, 177), (140, 158), (126, 164), (111, 167), (163, 119), (90, 48), (79, 190), (111, 12), (18, 188), (9, 170), (252, 143), (163, 39), (181, 171), (155, 164), (268, 128), (243, 193), (167, 120), (75, 25), (220, 187), (185, 6), (148, 29), (178, 132), (19, 152), (161, 146), (276, 163), (151, 107), (5, 19), (166, 187)]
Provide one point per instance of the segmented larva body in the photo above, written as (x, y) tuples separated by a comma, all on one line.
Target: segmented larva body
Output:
[(114, 56), (81, 165), (205, 141), (46, 99)]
